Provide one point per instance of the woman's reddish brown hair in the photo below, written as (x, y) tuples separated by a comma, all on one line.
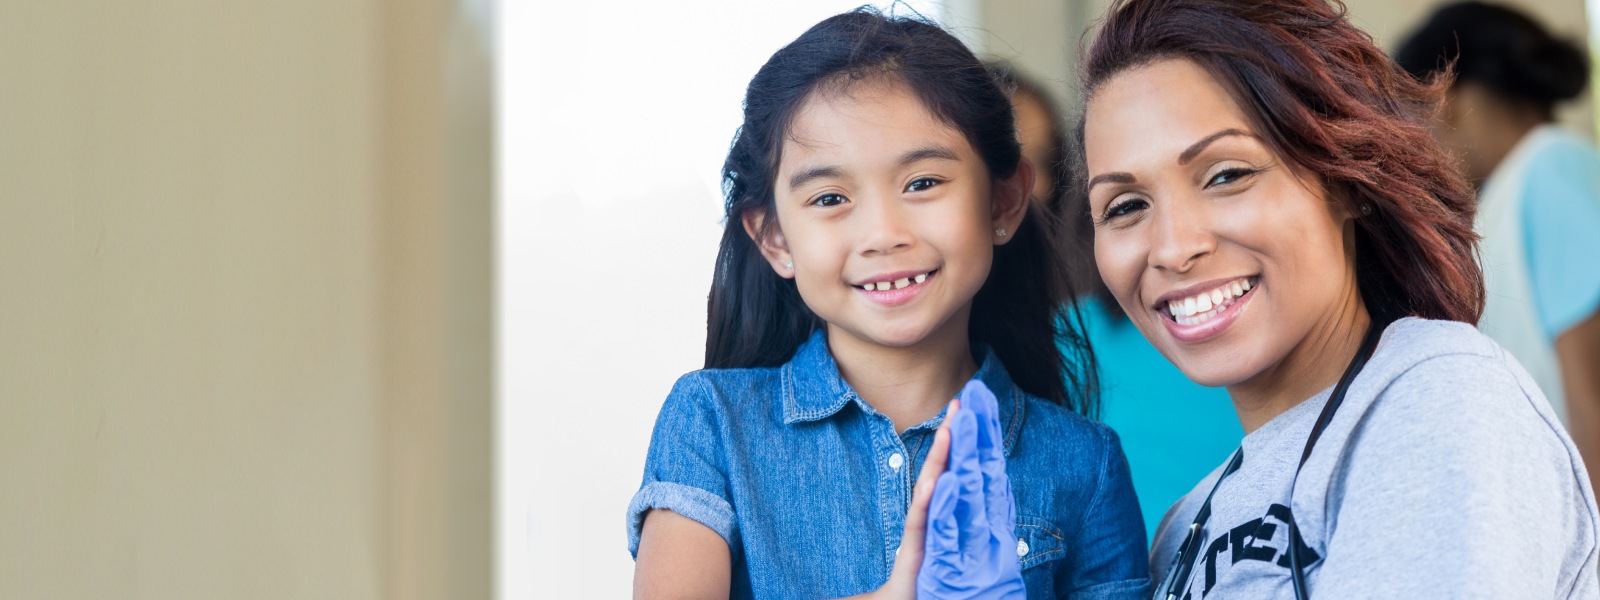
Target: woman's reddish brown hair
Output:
[(1326, 98)]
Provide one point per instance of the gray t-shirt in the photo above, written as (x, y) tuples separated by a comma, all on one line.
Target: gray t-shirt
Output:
[(1444, 474)]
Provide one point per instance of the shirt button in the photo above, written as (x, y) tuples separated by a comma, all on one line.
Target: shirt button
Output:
[(895, 460), (1022, 548)]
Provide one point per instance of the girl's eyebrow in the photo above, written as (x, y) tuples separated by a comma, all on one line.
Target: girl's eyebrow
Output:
[(929, 152), (807, 175), (926, 153)]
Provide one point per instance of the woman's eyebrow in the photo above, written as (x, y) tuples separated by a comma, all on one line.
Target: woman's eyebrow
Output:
[(1113, 177), (1195, 148)]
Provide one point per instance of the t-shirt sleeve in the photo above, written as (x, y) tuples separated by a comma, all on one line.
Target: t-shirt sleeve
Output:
[(1561, 230), (685, 470), (1453, 486)]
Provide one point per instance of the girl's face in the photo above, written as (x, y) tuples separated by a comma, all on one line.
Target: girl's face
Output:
[(1230, 260), (888, 216)]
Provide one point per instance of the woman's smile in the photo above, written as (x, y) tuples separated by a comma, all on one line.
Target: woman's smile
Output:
[(1200, 312)]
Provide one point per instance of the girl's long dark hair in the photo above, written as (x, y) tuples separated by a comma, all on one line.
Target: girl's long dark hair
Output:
[(1323, 96), (757, 319)]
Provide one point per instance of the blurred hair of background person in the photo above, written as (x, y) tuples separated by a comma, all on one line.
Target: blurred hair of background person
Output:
[(1173, 430), (1539, 194)]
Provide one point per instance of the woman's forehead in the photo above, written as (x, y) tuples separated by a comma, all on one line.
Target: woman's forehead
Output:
[(1158, 108)]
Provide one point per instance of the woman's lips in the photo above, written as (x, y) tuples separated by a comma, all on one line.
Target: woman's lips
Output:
[(1207, 313)]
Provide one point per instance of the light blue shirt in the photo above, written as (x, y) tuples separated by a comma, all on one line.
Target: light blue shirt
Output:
[(1561, 229), (1173, 430), (809, 485)]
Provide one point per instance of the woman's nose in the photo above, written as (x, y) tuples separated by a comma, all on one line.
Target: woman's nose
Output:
[(1181, 235)]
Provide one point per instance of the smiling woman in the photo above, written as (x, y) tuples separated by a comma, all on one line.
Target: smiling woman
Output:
[(1273, 216)]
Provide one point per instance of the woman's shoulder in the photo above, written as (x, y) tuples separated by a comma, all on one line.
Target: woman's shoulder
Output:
[(1429, 374)]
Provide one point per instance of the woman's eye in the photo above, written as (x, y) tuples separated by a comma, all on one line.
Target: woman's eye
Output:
[(827, 200), (1125, 208), (1229, 176), (922, 184)]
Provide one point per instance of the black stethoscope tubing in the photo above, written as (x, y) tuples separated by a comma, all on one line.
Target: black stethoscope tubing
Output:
[(1183, 564)]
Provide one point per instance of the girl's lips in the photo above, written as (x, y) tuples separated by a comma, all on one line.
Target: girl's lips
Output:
[(896, 297), (1211, 327)]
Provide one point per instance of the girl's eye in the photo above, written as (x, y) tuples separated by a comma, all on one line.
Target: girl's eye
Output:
[(1229, 176), (922, 184), (827, 200)]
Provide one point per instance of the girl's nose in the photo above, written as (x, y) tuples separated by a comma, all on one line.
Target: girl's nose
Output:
[(884, 226), (1181, 235)]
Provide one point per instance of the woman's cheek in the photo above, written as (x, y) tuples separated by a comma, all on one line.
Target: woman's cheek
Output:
[(1118, 260)]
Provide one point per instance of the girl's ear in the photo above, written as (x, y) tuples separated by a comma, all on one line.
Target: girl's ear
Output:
[(1011, 202), (772, 244)]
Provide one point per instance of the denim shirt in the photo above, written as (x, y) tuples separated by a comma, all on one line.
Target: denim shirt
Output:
[(809, 485)]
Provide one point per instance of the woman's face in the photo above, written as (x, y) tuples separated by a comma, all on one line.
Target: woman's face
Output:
[(1226, 257)]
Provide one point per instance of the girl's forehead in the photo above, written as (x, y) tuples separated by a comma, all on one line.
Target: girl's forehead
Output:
[(866, 120)]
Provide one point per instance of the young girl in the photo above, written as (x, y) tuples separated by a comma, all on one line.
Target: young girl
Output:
[(879, 254)]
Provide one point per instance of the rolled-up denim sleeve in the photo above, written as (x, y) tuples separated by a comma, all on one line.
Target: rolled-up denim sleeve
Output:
[(686, 468), (1111, 561)]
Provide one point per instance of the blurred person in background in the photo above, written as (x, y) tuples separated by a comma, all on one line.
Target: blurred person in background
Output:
[(1173, 430), (1539, 194)]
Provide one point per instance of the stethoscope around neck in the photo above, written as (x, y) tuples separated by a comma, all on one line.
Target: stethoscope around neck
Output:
[(1183, 564)]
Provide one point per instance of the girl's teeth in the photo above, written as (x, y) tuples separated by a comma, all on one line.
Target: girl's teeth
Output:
[(1216, 297), (1203, 303), (879, 286)]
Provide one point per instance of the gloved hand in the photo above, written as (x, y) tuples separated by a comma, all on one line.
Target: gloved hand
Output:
[(971, 545)]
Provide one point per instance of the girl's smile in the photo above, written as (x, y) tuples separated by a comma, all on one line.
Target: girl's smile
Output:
[(894, 289), (884, 212)]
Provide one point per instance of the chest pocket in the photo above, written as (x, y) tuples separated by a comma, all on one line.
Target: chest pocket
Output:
[(1038, 542)]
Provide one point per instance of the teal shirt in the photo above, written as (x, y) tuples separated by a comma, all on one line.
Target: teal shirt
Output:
[(1561, 230), (1174, 431)]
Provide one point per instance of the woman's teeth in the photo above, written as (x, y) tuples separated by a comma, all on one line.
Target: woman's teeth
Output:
[(880, 286), (1205, 306)]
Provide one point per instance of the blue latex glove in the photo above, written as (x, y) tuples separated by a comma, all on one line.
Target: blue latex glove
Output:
[(971, 545)]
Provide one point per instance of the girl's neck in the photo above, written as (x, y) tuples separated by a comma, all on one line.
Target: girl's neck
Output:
[(1313, 365), (911, 384)]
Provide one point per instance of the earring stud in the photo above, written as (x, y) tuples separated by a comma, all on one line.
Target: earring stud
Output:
[(789, 265), (1366, 209), (1000, 232)]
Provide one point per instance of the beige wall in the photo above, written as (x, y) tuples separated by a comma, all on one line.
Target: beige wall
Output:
[(223, 316)]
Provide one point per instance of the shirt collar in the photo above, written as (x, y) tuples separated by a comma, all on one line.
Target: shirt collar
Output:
[(813, 388)]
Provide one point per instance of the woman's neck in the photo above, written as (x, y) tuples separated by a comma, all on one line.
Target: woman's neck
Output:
[(1313, 365), (911, 384)]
